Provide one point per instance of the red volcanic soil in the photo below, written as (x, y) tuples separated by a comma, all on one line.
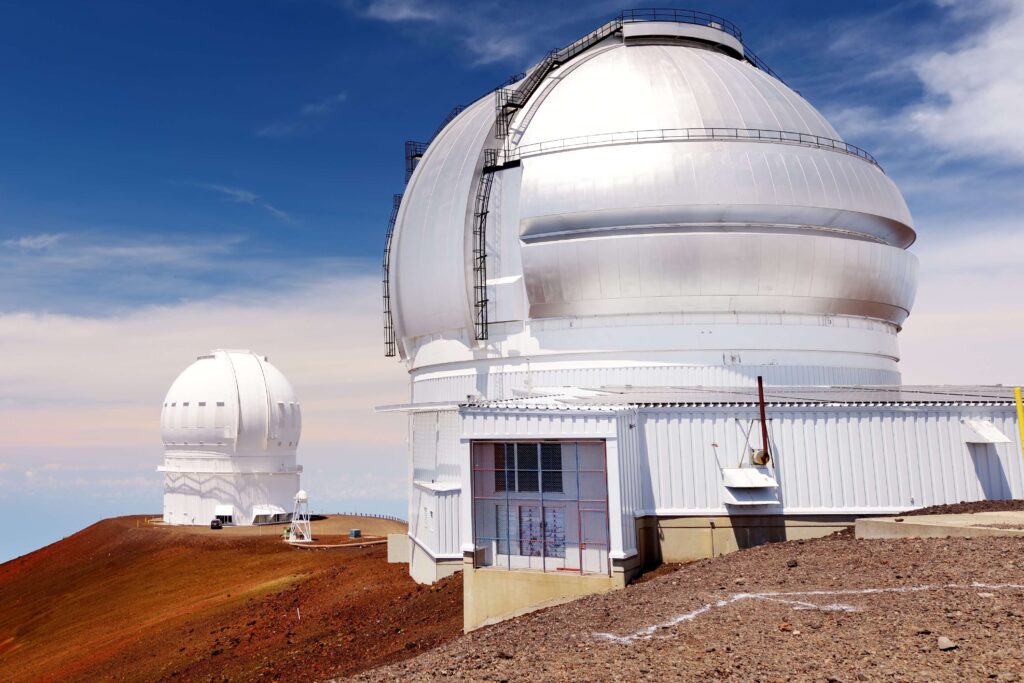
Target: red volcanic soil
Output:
[(125, 601)]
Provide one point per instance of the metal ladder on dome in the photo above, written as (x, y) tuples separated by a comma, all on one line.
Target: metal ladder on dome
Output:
[(389, 321), (480, 212), (509, 100)]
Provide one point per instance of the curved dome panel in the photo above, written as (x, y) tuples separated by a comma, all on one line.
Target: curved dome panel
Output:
[(431, 231), (231, 403), (647, 87), (668, 273), (707, 183)]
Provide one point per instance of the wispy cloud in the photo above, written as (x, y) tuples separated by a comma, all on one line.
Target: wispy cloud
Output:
[(490, 32), (278, 130), (974, 92), (305, 119), (962, 85), (402, 10), (324, 107), (252, 199), (103, 272), (235, 194), (33, 242)]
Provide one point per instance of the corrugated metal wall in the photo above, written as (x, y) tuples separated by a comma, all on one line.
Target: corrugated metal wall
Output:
[(631, 471), (828, 460), (435, 440), (434, 515), (538, 425)]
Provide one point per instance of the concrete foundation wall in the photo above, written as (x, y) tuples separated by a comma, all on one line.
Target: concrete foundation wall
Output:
[(399, 549), (683, 539), (492, 594), (426, 569)]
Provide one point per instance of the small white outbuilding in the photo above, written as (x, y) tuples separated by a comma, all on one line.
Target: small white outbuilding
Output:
[(230, 426)]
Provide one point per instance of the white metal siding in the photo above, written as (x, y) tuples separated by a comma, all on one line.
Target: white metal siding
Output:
[(541, 424), (630, 476), (448, 446), (424, 446), (435, 521), (840, 460)]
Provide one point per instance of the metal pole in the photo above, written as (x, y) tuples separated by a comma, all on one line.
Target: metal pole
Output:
[(1020, 417), (764, 422)]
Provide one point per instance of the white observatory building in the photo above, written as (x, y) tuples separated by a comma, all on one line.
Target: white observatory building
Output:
[(585, 277), (230, 426)]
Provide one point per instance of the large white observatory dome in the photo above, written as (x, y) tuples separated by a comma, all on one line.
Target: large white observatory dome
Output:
[(230, 425), (648, 206), (231, 403)]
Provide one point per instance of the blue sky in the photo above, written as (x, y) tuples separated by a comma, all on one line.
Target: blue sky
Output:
[(204, 174)]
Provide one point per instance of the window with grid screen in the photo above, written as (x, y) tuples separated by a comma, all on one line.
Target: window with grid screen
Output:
[(527, 468), (551, 467), (504, 456)]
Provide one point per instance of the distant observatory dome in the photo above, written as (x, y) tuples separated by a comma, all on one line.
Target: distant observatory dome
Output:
[(230, 425), (231, 402)]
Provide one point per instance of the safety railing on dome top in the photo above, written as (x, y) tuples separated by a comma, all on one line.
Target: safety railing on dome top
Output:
[(682, 16), (514, 99), (696, 17), (695, 134)]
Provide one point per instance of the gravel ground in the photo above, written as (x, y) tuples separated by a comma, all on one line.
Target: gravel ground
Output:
[(831, 609), (962, 507)]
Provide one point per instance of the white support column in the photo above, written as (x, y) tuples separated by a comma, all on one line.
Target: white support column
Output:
[(465, 456), (615, 550)]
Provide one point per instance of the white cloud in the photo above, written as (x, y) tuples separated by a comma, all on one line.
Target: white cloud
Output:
[(975, 91), (969, 69), (33, 242)]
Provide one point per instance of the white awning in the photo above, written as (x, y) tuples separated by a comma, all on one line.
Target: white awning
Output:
[(438, 486), (268, 510), (739, 496), (224, 511), (748, 478), (982, 431), (749, 486)]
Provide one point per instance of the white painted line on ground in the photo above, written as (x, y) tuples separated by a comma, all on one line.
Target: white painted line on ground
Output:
[(785, 598)]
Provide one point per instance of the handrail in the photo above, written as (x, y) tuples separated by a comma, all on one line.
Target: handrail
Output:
[(415, 149), (682, 16), (684, 134)]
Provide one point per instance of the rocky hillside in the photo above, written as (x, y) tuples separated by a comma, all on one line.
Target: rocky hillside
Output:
[(122, 600)]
